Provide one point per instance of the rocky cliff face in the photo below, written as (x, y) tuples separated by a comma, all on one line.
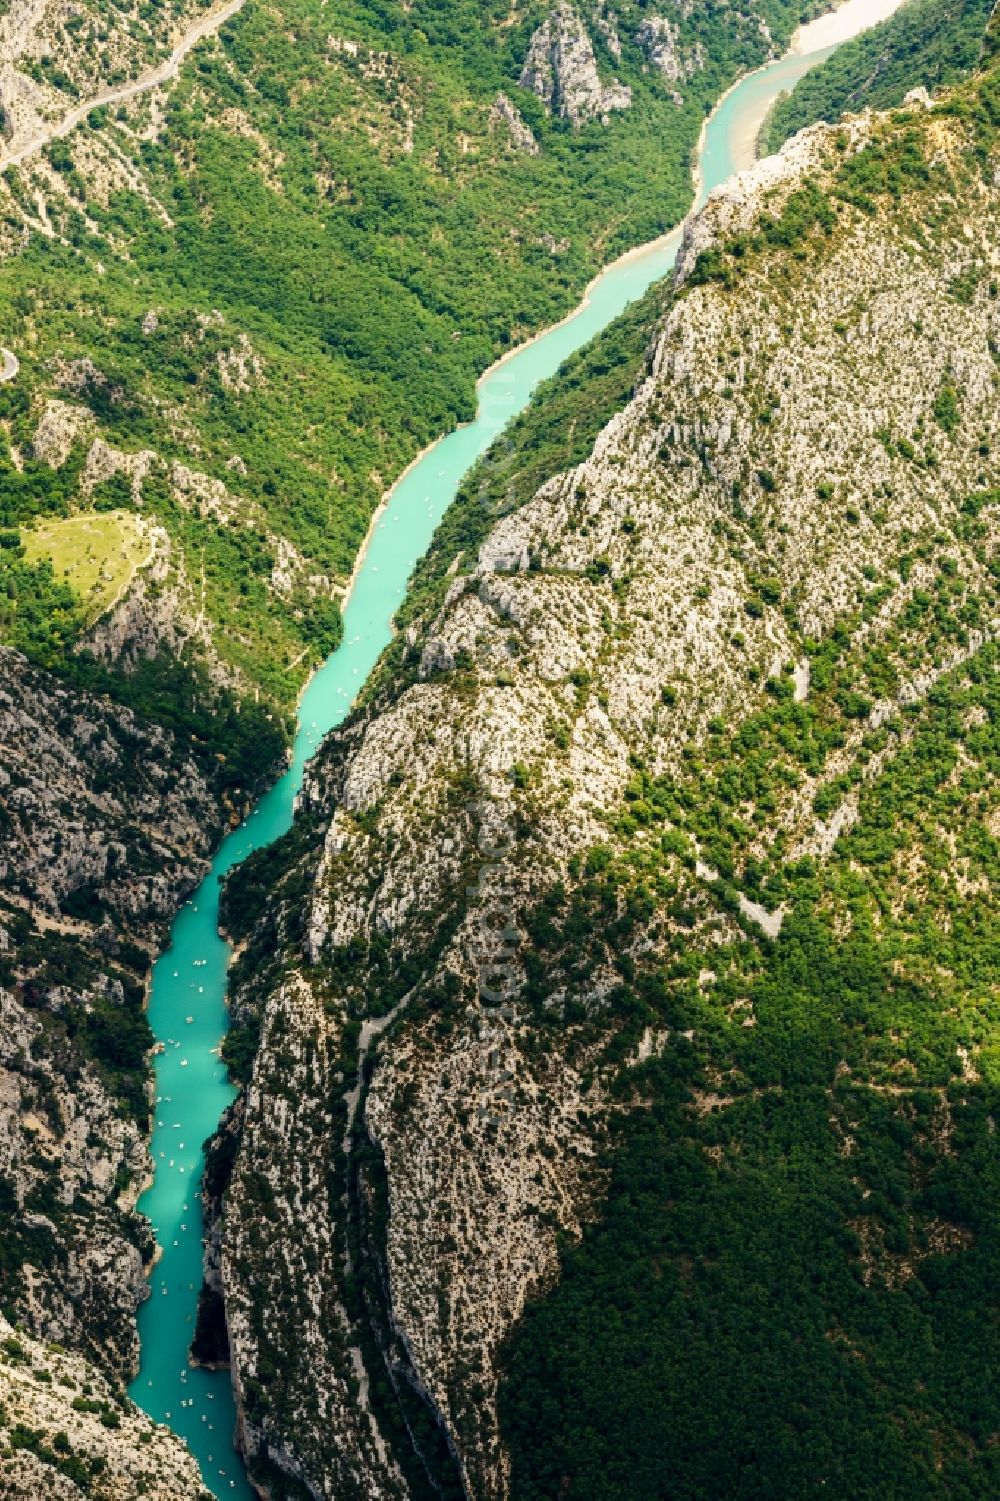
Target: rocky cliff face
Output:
[(106, 817), (106, 822), (68, 1433), (659, 38), (507, 116), (562, 70), (443, 1049)]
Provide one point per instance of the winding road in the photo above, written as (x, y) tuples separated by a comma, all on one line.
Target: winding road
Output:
[(205, 26), (10, 366)]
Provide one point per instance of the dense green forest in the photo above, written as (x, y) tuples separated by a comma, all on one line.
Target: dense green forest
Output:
[(926, 42), (772, 1301)]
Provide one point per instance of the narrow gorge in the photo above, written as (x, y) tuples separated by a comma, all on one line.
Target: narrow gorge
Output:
[(607, 1070)]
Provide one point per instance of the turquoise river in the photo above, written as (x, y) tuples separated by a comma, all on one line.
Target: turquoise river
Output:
[(187, 1005)]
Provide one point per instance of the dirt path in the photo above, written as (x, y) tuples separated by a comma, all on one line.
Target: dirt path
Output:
[(205, 26), (10, 365)]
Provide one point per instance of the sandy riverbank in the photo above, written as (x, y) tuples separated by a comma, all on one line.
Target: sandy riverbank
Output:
[(848, 20)]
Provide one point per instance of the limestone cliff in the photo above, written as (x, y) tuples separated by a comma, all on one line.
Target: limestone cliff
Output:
[(107, 820), (507, 116), (659, 38), (562, 70), (437, 988), (68, 1433)]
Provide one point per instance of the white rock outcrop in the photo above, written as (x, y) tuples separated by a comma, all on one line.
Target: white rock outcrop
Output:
[(659, 37), (507, 116), (562, 70)]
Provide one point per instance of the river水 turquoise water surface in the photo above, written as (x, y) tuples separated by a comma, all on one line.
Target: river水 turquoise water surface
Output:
[(187, 1009)]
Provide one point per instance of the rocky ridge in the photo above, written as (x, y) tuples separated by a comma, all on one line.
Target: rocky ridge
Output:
[(506, 114), (660, 39), (820, 399)]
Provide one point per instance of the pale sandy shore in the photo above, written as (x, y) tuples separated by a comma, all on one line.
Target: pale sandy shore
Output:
[(840, 25)]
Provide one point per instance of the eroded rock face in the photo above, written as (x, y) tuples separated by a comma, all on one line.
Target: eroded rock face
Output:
[(95, 801), (659, 38), (404, 1124), (508, 116), (61, 424), (77, 1437), (504, 1161), (304, 1272), (562, 70), (106, 823), (84, 1274)]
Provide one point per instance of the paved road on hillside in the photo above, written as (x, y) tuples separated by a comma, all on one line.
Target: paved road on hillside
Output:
[(203, 27)]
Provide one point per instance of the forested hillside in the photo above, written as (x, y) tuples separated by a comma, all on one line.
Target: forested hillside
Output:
[(633, 961), (926, 44), (263, 287)]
